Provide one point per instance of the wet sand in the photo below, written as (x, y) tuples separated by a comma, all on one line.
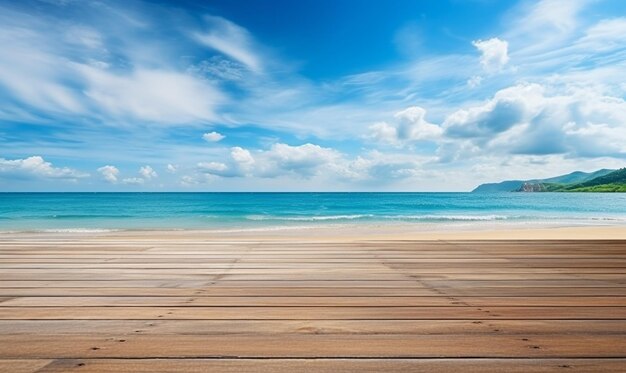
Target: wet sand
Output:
[(329, 300)]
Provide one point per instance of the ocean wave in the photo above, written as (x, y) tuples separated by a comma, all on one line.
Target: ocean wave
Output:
[(308, 218), (607, 218), (379, 217), (271, 228), (448, 217), (85, 216), (78, 230)]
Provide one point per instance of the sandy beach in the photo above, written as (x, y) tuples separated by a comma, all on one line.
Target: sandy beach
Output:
[(358, 299)]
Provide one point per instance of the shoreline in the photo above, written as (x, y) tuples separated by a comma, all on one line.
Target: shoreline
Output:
[(354, 232)]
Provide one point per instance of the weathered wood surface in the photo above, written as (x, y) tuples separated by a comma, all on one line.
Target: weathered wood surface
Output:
[(112, 303)]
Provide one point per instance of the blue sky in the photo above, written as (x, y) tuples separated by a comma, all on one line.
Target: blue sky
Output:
[(307, 95)]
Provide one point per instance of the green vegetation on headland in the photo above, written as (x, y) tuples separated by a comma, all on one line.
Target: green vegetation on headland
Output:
[(601, 181)]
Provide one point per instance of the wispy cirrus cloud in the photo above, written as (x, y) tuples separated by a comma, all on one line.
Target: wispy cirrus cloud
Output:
[(89, 73), (230, 39)]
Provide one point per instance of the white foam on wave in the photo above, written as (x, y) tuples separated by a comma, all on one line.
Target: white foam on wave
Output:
[(78, 230), (448, 217), (608, 218), (381, 217), (308, 218), (272, 228)]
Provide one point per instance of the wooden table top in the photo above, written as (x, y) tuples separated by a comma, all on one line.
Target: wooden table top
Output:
[(106, 304)]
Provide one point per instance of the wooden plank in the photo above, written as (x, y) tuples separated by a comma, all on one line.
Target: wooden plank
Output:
[(178, 266), (309, 291), (312, 313), (302, 301), (298, 345), (217, 282), (361, 275), (174, 282), (337, 365), (23, 365), (269, 327)]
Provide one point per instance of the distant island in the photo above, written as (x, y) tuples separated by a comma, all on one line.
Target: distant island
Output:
[(604, 180)]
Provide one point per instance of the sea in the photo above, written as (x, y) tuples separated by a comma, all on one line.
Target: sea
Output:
[(95, 212)]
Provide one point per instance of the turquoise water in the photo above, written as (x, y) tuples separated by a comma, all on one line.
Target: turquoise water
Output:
[(94, 211)]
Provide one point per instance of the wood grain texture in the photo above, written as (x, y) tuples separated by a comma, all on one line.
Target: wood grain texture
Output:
[(123, 302), (336, 365)]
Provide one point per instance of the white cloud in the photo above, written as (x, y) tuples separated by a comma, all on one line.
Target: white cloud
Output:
[(379, 168), (536, 120), (383, 132), (303, 160), (240, 163), (494, 53), (157, 96), (171, 168), (188, 180), (558, 16), (606, 34), (242, 156), (509, 107), (213, 166), (230, 39), (148, 172), (218, 169), (213, 136), (312, 162), (133, 181), (281, 159), (109, 173), (86, 74), (410, 125), (36, 166)]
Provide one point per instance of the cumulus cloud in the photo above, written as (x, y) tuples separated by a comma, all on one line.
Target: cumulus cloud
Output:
[(213, 136), (532, 119), (133, 181), (148, 172), (36, 166), (239, 163), (171, 168), (309, 161), (509, 107), (280, 159), (410, 125), (218, 169), (303, 159), (378, 167), (494, 53), (109, 173), (242, 156)]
